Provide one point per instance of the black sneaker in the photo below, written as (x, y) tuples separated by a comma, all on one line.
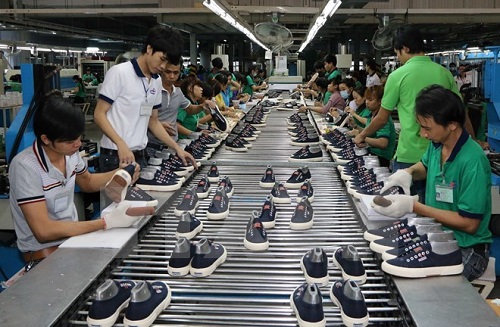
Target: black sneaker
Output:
[(213, 173), (314, 265), (180, 259), (404, 236), (268, 180), (444, 236), (393, 229), (280, 194), (348, 297), (430, 259), (347, 259), (158, 181), (298, 177), (256, 236), (302, 217), (307, 303), (219, 119), (111, 298), (306, 190), (307, 154), (303, 140), (147, 301), (235, 143), (140, 198), (203, 187), (116, 187), (219, 207), (168, 165), (189, 202), (228, 186), (268, 213), (188, 226), (208, 256)]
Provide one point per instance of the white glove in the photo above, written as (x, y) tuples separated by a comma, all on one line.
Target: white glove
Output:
[(400, 178), (400, 205), (119, 218)]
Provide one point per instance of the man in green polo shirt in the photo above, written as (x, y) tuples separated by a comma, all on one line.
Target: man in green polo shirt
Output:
[(401, 89), (331, 72), (458, 191)]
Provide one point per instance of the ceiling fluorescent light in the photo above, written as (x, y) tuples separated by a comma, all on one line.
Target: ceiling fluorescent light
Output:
[(327, 12), (222, 13)]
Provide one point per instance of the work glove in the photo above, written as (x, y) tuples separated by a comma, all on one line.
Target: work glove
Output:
[(400, 178), (399, 206), (119, 218)]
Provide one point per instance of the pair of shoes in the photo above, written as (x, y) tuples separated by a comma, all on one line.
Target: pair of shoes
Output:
[(298, 177), (189, 226), (416, 248), (144, 301), (159, 180), (256, 235), (307, 303), (200, 259), (314, 265), (189, 202)]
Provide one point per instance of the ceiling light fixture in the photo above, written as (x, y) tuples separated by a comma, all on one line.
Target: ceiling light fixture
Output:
[(218, 9), (328, 10)]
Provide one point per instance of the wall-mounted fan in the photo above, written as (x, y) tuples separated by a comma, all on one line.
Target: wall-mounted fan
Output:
[(276, 36), (383, 37)]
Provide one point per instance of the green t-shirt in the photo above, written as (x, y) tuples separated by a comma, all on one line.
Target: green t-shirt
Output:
[(400, 92), (329, 76), (81, 90), (248, 87), (389, 132), (365, 113), (188, 121), (467, 172)]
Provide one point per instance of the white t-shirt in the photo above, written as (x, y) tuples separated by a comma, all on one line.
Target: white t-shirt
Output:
[(372, 80), (132, 98), (462, 80)]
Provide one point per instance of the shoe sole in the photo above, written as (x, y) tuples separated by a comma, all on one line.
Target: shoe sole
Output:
[(323, 281), (116, 188), (218, 216), (303, 143), (421, 272), (176, 272), (375, 247), (256, 246), (213, 179), (301, 226), (270, 224), (266, 185), (192, 233), (160, 188), (179, 212), (387, 256), (148, 321), (204, 272), (243, 149), (358, 279), (303, 323), (110, 321), (349, 321), (203, 195), (371, 237), (305, 160)]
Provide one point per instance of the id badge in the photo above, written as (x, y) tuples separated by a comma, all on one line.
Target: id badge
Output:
[(146, 109), (61, 202), (444, 193)]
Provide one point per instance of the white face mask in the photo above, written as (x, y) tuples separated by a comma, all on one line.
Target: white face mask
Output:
[(353, 105)]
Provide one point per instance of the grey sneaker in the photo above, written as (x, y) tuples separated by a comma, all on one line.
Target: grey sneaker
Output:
[(302, 217), (256, 236)]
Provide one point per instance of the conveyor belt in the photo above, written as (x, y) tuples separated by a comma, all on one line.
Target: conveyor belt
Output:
[(253, 288)]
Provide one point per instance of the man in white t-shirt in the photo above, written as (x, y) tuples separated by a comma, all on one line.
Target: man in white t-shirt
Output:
[(462, 78), (129, 100)]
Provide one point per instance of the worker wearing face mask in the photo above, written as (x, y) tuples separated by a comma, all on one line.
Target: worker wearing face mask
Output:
[(345, 88)]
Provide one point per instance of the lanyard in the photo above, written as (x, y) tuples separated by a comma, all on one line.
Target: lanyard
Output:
[(145, 90)]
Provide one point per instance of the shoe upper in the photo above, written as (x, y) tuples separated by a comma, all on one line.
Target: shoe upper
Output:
[(350, 298), (182, 253), (268, 176), (300, 175), (315, 262), (220, 201), (187, 223), (279, 191), (303, 212), (268, 210), (306, 190), (145, 297), (349, 261), (189, 200), (203, 185), (109, 297), (206, 253), (256, 233), (308, 301), (214, 171)]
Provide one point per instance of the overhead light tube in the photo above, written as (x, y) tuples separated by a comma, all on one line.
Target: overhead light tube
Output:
[(328, 10)]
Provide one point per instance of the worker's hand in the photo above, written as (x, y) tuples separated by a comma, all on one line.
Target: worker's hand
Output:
[(302, 109), (359, 140), (137, 171), (169, 127), (484, 145), (209, 104), (400, 205), (186, 158), (400, 178), (125, 155), (118, 217)]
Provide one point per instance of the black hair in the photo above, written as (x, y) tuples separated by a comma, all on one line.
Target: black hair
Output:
[(349, 82), (216, 88), (319, 65), (167, 40), (376, 90), (372, 64), (240, 78), (336, 80), (440, 104), (217, 63), (360, 90), (452, 64), (410, 37), (221, 78), (208, 91), (59, 119), (190, 80), (322, 82), (79, 80), (250, 69), (330, 58)]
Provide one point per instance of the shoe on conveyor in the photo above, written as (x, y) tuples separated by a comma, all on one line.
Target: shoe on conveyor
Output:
[(393, 229), (298, 177), (158, 181), (280, 194), (189, 226), (347, 259), (307, 303), (444, 236), (256, 236), (348, 297), (219, 207), (306, 190), (147, 301), (203, 187), (189, 202), (208, 256), (307, 154), (213, 173), (140, 198), (268, 180), (180, 259), (314, 265), (228, 186), (268, 213), (111, 298)]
